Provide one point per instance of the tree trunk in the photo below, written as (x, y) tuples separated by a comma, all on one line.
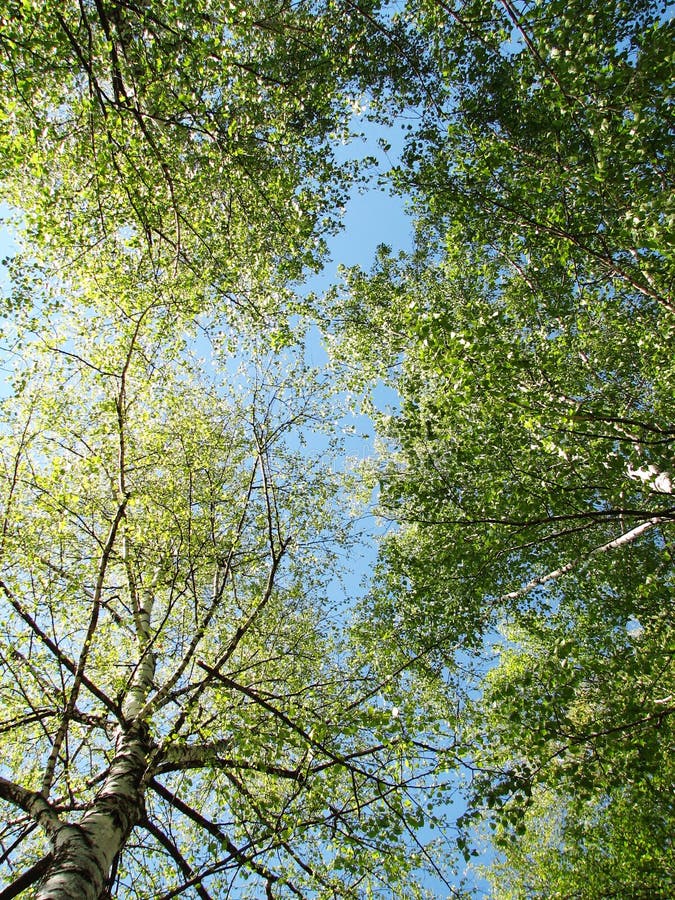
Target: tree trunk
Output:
[(83, 853)]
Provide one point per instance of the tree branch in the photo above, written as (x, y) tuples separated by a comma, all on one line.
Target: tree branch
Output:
[(626, 538), (27, 878), (65, 661), (163, 694), (196, 757), (84, 654), (234, 852), (31, 802), (175, 854)]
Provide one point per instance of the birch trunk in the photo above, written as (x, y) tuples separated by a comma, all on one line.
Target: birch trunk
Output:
[(83, 853)]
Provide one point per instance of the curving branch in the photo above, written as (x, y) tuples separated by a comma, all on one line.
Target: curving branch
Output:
[(33, 803)]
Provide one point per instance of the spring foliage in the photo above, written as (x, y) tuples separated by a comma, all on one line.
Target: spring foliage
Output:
[(191, 707)]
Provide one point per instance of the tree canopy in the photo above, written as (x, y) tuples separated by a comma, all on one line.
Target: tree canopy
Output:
[(173, 657), (529, 462), (191, 704)]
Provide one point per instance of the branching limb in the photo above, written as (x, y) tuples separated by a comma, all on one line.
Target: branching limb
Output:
[(163, 695), (173, 851), (238, 854), (31, 802), (84, 654), (335, 759), (54, 648)]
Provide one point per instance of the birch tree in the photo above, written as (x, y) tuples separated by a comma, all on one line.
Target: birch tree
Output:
[(184, 713), (185, 708)]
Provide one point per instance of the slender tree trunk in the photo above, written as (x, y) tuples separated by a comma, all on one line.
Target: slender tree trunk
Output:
[(83, 853)]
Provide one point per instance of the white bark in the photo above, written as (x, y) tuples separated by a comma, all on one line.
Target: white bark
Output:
[(626, 538), (140, 686), (32, 802), (83, 853)]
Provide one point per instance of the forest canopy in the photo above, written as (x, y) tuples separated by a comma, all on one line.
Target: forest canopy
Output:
[(197, 698)]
